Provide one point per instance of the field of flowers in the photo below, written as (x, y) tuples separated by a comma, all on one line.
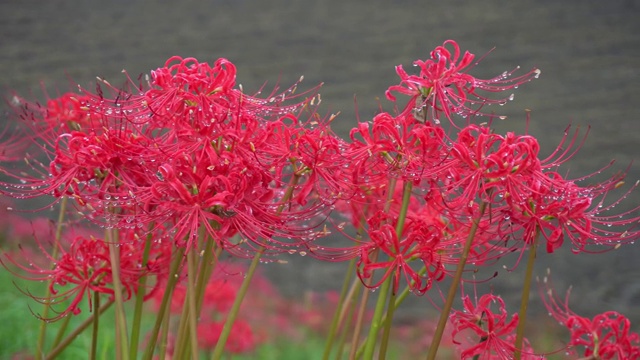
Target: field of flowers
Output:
[(167, 193)]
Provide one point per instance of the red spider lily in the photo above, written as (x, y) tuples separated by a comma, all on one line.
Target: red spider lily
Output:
[(399, 253), (313, 150), (559, 209), (524, 191), (227, 153), (234, 194), (394, 147), (68, 112), (196, 97), (490, 327), (605, 336), (215, 149), (92, 163), (428, 240), (488, 166), (80, 271), (443, 85)]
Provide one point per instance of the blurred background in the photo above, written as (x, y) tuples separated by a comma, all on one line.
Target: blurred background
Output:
[(589, 53)]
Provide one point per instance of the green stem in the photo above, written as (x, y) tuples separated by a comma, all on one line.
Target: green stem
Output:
[(96, 318), (121, 321), (336, 315), (64, 343), (399, 299), (183, 332), (137, 314), (191, 298), (349, 318), (235, 308), (164, 339), (47, 302), (387, 326), (524, 301), (453, 289), (386, 285), (365, 295), (206, 269), (361, 311), (172, 280)]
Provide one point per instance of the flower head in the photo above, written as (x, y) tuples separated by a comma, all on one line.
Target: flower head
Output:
[(82, 269), (443, 85), (487, 321), (606, 336)]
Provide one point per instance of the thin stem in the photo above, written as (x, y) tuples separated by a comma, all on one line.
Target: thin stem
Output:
[(386, 285), (453, 289), (172, 280), (387, 326), (370, 345), (361, 310), (207, 264), (47, 302), (96, 318), (524, 301), (164, 339), (137, 314), (336, 315), (399, 299), (356, 351), (191, 298), (183, 332), (235, 309), (121, 321), (349, 318), (64, 343)]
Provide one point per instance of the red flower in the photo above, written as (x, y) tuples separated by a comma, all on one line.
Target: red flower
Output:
[(395, 258), (394, 147), (605, 336), (527, 196), (492, 331), (443, 85), (80, 271), (489, 166)]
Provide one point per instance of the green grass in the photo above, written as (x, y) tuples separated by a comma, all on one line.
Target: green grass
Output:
[(19, 329)]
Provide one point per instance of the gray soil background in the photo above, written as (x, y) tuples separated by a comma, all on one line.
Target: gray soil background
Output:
[(589, 53)]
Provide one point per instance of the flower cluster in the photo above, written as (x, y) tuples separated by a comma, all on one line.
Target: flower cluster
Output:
[(192, 151)]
